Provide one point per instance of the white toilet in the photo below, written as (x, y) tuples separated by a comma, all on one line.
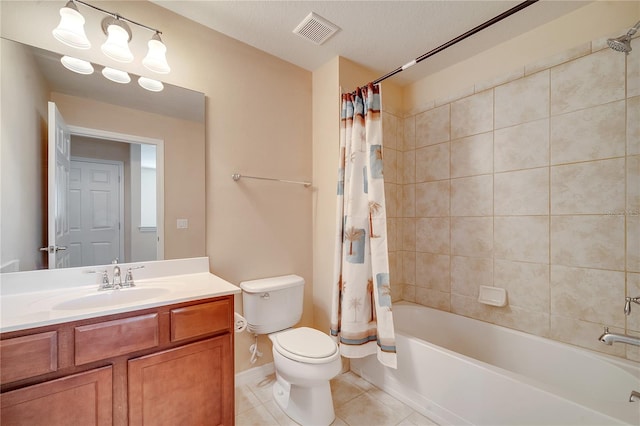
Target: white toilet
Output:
[(305, 359)]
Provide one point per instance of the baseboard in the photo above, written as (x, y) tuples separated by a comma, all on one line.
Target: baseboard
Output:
[(254, 374)]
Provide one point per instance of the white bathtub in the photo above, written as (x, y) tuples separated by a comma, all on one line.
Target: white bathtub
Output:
[(456, 370)]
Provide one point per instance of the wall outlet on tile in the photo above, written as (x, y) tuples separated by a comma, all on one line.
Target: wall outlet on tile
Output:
[(183, 223)]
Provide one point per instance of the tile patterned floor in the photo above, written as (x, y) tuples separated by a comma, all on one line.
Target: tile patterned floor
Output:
[(356, 402)]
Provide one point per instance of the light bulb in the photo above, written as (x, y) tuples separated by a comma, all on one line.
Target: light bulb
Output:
[(70, 30), (150, 84), (117, 45), (116, 75), (156, 59), (77, 65)]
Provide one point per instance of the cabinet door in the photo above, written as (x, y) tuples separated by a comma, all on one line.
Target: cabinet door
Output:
[(81, 399), (189, 385)]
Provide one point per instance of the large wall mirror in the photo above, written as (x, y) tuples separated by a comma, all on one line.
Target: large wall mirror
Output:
[(134, 187)]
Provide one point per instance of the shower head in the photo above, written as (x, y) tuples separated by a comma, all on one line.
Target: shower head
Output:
[(620, 44), (623, 43)]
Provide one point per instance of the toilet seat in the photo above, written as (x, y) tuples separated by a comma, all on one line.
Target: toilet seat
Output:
[(306, 345)]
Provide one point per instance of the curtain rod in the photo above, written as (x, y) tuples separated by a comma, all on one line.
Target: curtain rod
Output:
[(461, 37)]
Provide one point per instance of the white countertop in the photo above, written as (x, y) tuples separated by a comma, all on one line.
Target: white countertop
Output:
[(26, 302)]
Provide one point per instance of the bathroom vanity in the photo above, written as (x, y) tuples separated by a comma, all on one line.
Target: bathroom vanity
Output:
[(163, 357)]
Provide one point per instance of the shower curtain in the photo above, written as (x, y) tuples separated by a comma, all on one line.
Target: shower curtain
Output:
[(361, 317)]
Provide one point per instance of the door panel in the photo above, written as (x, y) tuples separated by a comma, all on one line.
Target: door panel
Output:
[(58, 189)]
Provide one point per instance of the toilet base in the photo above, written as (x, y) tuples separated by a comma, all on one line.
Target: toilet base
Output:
[(308, 406)]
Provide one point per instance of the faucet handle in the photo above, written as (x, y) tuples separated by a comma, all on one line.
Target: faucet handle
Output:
[(105, 285), (128, 279)]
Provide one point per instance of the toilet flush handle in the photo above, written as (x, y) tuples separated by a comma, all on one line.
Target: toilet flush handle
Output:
[(265, 296)]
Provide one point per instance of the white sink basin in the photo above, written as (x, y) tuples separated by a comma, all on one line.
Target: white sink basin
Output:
[(111, 297)]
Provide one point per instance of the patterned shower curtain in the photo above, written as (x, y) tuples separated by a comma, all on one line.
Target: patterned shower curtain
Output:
[(361, 317)]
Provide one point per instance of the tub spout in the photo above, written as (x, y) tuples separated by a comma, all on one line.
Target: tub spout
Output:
[(610, 338), (634, 397)]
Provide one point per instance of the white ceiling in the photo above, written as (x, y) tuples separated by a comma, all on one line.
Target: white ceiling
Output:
[(380, 35)]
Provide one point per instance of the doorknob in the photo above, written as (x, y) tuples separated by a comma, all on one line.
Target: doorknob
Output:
[(53, 249)]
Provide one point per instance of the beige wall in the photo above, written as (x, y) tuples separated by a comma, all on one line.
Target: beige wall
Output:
[(24, 126), (258, 122), (339, 73), (529, 182), (597, 19)]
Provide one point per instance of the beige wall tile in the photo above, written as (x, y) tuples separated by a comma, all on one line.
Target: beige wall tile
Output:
[(408, 205), (432, 162), (588, 241), (470, 307), (522, 319), (522, 147), (527, 284), (501, 79), (584, 334), (509, 106), (633, 74), (389, 130), (432, 199), (543, 64), (409, 133), (472, 196), (592, 295), (524, 192), (633, 242), (409, 167), (432, 271), (589, 134), (524, 238), (468, 273), (596, 187), (432, 126), (390, 170), (409, 267), (409, 234), (633, 290), (633, 126), (392, 231), (472, 155), (409, 293), (472, 236), (432, 235), (472, 115), (391, 191), (633, 185), (433, 298), (591, 80)]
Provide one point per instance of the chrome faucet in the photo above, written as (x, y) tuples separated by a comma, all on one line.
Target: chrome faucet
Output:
[(627, 304), (128, 279), (610, 338), (117, 278)]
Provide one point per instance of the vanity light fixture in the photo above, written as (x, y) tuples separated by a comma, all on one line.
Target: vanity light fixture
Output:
[(115, 75), (77, 65), (70, 31)]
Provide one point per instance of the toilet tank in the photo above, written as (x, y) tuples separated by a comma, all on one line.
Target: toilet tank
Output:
[(272, 304)]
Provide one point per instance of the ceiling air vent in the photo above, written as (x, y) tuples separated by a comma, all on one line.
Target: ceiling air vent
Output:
[(316, 29)]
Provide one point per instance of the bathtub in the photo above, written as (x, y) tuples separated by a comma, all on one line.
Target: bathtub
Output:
[(456, 370)]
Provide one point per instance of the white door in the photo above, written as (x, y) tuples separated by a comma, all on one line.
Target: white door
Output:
[(58, 189), (95, 213)]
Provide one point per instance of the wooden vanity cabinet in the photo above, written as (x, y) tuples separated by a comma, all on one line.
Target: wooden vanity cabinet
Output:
[(171, 365)]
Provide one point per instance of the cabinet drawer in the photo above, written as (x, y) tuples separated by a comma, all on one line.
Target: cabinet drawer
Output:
[(28, 356), (198, 320), (113, 338)]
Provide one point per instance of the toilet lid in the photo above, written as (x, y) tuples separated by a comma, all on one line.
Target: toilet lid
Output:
[(306, 342)]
